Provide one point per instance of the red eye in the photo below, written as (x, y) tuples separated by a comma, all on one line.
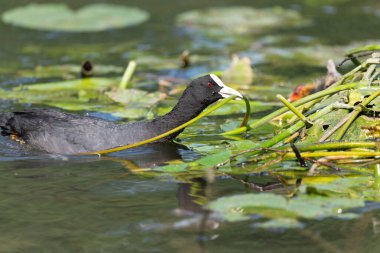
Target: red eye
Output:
[(210, 85)]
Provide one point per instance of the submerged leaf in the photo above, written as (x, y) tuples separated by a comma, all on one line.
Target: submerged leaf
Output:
[(59, 17)]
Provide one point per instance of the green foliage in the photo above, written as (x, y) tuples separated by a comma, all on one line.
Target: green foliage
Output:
[(215, 159), (59, 17)]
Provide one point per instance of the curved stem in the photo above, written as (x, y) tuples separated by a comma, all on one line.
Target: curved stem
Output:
[(140, 143), (247, 112)]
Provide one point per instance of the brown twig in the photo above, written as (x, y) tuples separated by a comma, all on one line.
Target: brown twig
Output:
[(298, 155)]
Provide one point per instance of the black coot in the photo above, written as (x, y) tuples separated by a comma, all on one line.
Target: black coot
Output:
[(64, 133)]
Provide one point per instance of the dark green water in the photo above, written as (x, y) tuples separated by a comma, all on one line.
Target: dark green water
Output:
[(60, 204)]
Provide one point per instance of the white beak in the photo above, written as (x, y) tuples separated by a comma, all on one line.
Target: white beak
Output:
[(226, 91)]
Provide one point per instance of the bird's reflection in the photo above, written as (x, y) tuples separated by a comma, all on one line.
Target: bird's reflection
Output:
[(191, 196), (155, 154)]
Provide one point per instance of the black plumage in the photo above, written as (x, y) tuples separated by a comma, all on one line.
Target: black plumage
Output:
[(65, 133)]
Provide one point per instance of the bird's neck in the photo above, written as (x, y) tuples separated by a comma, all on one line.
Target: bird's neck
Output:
[(184, 111)]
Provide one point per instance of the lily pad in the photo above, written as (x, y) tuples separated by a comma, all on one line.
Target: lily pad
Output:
[(239, 20), (271, 206), (59, 17)]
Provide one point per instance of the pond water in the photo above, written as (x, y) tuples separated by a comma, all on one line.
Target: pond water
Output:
[(51, 203)]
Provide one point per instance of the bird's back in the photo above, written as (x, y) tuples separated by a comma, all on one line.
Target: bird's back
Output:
[(59, 132)]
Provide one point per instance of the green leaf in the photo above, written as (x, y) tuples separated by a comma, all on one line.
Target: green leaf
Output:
[(59, 17), (353, 187), (315, 207), (242, 145), (235, 208), (215, 159), (241, 207)]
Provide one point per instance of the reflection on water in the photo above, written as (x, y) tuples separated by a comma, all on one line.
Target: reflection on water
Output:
[(97, 205)]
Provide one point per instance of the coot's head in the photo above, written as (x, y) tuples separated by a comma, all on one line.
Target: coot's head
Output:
[(208, 89)]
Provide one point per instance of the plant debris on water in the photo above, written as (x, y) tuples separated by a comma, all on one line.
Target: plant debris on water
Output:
[(336, 136)]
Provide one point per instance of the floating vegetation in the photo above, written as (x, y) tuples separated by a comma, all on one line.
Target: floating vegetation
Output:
[(239, 20), (79, 95), (278, 208), (59, 17), (331, 132)]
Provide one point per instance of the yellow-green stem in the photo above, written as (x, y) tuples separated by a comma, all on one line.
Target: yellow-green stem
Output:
[(302, 117), (129, 71), (332, 145), (140, 143), (247, 112), (338, 154)]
